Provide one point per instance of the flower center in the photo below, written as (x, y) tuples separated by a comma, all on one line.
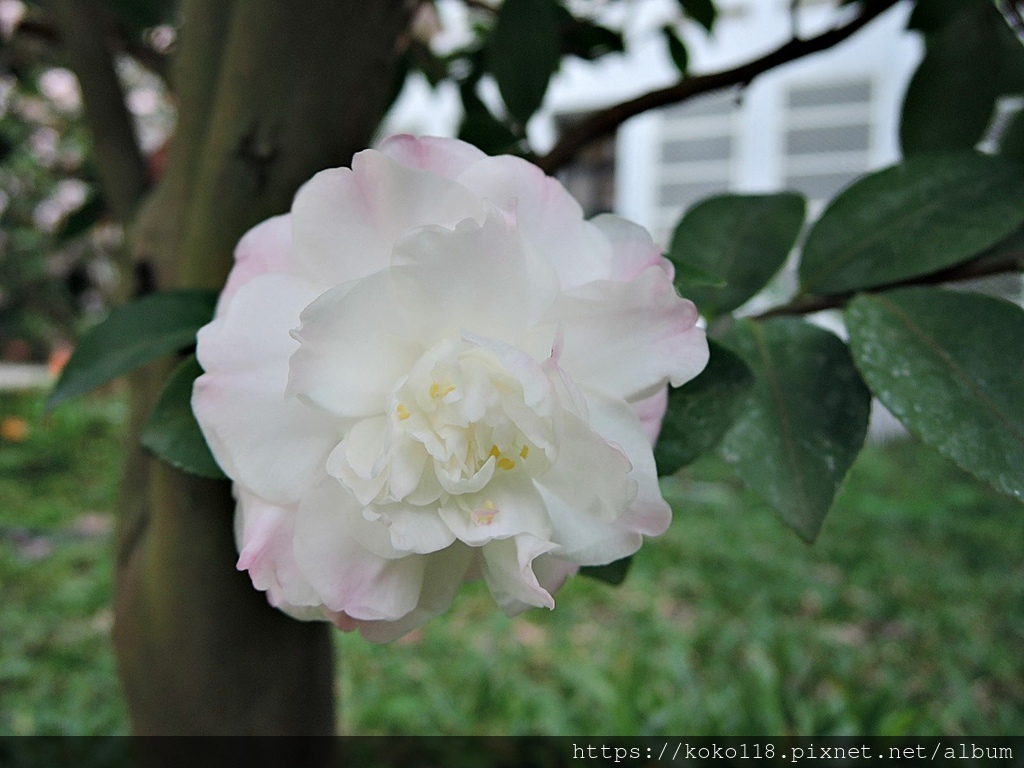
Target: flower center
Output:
[(458, 421)]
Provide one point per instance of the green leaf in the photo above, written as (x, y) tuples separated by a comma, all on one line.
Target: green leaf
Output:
[(613, 573), (931, 16), (948, 365), (701, 411), (484, 131), (689, 275), (952, 95), (701, 11), (587, 40), (805, 420), (523, 52), (1011, 142), (743, 238), (171, 431), (925, 214), (132, 336), (676, 50), (82, 220)]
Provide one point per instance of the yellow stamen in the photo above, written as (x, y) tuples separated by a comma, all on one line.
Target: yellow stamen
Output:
[(525, 452), (402, 411), (506, 463), (436, 391), (494, 452)]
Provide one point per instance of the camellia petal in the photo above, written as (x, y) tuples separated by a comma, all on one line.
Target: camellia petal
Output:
[(442, 156), (648, 513), (550, 220), (353, 346), (633, 250), (240, 402), (508, 570), (264, 249), (630, 339), (345, 222), (338, 551), (433, 370)]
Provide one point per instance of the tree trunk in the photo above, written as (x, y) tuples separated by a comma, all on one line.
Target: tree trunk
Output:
[(269, 92)]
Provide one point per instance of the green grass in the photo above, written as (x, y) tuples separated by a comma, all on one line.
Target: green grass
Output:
[(907, 616)]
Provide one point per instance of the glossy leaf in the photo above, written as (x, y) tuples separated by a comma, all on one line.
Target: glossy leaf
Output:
[(132, 336), (1011, 142), (613, 573), (915, 218), (523, 51), (689, 275), (703, 12), (952, 95), (701, 411), (805, 420), (171, 431), (676, 49), (483, 130), (743, 238), (931, 16), (949, 366), (586, 39)]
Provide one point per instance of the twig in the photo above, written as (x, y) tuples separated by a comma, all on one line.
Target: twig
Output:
[(41, 28), (119, 160), (607, 120), (983, 266)]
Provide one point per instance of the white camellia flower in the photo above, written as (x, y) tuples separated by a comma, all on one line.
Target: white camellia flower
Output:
[(433, 370)]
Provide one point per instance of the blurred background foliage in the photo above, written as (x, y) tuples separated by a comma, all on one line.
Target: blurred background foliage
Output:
[(60, 251)]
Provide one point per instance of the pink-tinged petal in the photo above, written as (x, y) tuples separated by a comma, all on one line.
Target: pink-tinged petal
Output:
[(549, 219), (651, 412), (447, 157), (476, 278), (508, 571), (630, 339), (444, 572), (633, 250), (342, 555), (271, 444), (264, 249), (353, 348), (345, 222), (265, 534), (649, 513)]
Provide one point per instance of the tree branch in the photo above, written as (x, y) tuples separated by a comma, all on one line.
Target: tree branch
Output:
[(607, 120), (119, 161), (983, 266), (39, 28)]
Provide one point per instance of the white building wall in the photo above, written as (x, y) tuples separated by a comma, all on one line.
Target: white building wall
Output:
[(882, 54)]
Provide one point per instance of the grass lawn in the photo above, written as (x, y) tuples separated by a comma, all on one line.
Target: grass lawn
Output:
[(907, 616)]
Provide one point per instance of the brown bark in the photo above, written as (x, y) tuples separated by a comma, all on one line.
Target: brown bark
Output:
[(269, 92)]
